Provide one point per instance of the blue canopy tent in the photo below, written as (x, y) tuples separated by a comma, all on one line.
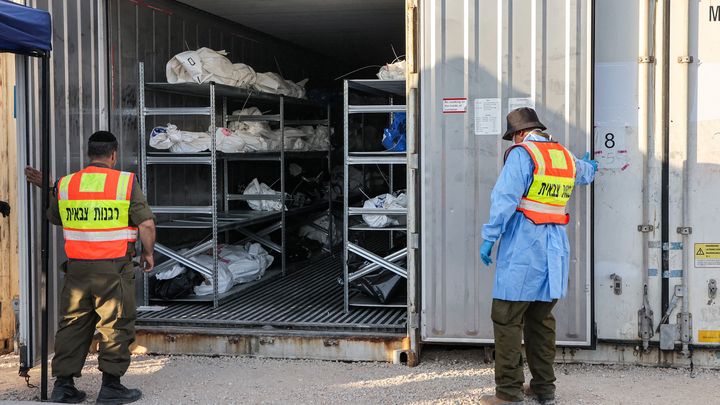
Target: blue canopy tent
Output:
[(28, 31)]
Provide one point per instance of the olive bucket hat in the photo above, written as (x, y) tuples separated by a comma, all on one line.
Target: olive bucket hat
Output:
[(521, 118)]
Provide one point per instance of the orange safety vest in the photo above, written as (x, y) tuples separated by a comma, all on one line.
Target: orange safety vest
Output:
[(545, 200), (94, 208)]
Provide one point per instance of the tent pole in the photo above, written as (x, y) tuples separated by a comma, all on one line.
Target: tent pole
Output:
[(45, 230)]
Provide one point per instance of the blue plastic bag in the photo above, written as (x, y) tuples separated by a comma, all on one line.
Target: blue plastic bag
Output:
[(394, 136)]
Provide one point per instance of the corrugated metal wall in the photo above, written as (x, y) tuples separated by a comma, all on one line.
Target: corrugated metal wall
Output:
[(701, 156), (514, 53), (78, 108), (96, 49), (153, 32), (619, 184)]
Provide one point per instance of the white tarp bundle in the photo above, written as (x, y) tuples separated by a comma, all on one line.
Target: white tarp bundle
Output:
[(227, 141), (392, 71), (320, 139), (242, 137), (270, 82), (384, 201), (236, 264), (205, 64), (312, 232), (179, 141), (255, 187), (253, 127)]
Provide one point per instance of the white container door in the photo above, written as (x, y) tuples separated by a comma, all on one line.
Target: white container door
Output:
[(478, 60)]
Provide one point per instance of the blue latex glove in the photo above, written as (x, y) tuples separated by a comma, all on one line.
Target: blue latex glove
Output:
[(485, 251), (587, 159)]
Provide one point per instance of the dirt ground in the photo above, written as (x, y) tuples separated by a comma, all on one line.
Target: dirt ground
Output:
[(444, 377)]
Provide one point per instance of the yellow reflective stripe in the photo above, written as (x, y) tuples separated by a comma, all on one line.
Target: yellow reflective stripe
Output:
[(538, 157), (551, 189), (102, 236), (94, 214), (64, 186), (122, 186), (92, 182), (557, 159), (540, 207)]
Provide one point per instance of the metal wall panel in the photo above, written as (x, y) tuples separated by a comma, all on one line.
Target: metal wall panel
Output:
[(701, 157), (495, 49), (153, 32), (78, 108), (618, 188), (96, 49), (625, 179)]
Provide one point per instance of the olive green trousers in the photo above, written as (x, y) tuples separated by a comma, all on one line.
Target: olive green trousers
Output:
[(534, 320), (97, 295)]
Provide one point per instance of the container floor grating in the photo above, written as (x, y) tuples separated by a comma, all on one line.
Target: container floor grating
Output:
[(306, 299)]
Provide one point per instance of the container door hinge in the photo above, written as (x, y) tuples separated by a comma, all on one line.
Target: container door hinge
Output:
[(684, 230), (413, 79), (414, 241), (646, 228), (684, 319), (616, 284), (413, 320), (413, 162), (646, 59), (685, 59), (645, 324)]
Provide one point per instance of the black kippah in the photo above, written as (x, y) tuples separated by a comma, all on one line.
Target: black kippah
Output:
[(102, 136)]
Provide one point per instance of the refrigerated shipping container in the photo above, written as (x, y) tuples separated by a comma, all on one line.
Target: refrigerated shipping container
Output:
[(632, 82)]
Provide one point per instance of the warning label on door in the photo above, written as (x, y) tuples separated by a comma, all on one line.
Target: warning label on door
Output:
[(707, 255), (455, 105), (709, 336)]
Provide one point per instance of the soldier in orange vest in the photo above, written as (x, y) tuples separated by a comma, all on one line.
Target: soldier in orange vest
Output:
[(102, 211), (528, 215)]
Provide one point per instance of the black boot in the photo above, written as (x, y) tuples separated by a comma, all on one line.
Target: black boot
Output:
[(114, 393), (65, 392)]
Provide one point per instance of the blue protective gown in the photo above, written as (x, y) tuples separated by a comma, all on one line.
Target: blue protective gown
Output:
[(532, 260)]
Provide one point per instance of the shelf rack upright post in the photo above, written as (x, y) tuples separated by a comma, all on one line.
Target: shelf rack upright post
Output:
[(387, 89), (229, 223)]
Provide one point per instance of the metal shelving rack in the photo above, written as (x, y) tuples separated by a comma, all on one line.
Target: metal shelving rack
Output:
[(387, 89), (228, 220)]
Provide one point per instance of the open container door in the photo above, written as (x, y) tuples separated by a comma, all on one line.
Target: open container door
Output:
[(480, 59)]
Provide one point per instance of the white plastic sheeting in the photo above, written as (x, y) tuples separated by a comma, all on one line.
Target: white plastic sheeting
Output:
[(274, 83), (178, 141), (247, 137), (236, 265), (312, 232), (205, 65), (384, 201), (392, 71), (255, 187)]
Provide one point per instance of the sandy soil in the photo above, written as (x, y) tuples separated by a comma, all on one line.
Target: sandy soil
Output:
[(444, 377)]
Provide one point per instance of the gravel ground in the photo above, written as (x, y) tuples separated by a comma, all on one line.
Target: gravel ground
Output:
[(444, 377)]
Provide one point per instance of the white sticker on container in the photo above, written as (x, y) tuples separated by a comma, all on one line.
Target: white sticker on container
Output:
[(454, 105), (519, 102), (487, 116), (707, 255), (610, 151)]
